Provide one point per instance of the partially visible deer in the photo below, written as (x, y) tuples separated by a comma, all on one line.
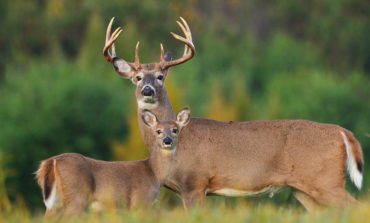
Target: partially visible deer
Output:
[(243, 158), (71, 182)]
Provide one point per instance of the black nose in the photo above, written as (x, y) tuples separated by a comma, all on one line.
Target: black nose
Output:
[(167, 141), (147, 91)]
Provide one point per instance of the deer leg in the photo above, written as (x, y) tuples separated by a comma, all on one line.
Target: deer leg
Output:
[(336, 197), (193, 199), (76, 200), (349, 199), (307, 202), (53, 213), (76, 207)]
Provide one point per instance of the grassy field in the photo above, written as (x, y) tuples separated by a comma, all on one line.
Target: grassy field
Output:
[(244, 212)]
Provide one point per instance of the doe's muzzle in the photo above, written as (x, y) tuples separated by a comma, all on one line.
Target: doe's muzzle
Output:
[(167, 141)]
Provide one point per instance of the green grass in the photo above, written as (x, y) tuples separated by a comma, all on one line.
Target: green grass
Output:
[(245, 212)]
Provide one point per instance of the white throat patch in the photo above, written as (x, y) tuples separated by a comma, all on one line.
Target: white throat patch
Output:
[(143, 105), (168, 153)]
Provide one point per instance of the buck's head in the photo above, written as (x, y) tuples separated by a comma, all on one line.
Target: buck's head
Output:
[(166, 132), (148, 78)]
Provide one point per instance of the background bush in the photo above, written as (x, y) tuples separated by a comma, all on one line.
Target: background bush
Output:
[(53, 109)]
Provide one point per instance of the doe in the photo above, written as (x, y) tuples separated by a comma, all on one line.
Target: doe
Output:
[(71, 183)]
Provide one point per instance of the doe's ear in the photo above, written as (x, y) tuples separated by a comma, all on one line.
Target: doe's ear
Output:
[(149, 118), (183, 117), (122, 67)]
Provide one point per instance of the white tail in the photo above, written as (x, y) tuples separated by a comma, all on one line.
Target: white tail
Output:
[(352, 168), (52, 199)]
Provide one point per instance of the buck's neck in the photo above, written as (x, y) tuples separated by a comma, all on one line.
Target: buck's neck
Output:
[(160, 163), (163, 112)]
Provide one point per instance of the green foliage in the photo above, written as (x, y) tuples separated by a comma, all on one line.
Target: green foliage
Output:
[(53, 108), (280, 55), (320, 96)]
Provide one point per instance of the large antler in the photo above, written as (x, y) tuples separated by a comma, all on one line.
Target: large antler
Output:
[(109, 44), (189, 50), (109, 41), (109, 50)]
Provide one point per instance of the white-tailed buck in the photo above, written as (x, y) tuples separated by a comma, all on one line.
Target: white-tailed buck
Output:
[(71, 182), (244, 158)]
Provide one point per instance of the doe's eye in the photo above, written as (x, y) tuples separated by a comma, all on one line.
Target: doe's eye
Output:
[(159, 132), (160, 77), (138, 78), (175, 131)]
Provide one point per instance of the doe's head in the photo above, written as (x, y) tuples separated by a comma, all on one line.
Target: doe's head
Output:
[(166, 131), (148, 78)]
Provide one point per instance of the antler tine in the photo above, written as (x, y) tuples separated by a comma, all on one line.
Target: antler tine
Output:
[(109, 28), (189, 50), (113, 51), (107, 37), (186, 49), (110, 46), (162, 53), (115, 35), (187, 33), (109, 41), (137, 60), (182, 27)]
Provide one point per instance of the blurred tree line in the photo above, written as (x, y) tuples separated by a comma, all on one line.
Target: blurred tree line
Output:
[(255, 60)]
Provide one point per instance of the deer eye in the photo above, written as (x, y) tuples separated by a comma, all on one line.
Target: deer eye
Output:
[(175, 131), (160, 77), (159, 132), (138, 78)]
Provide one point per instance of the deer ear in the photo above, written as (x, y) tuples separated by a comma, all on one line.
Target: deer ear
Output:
[(168, 56), (122, 67), (183, 117), (149, 118)]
